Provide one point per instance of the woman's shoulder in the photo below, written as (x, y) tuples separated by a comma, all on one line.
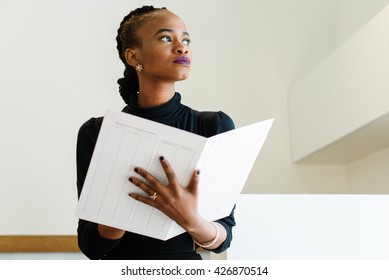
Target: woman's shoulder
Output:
[(90, 128), (215, 121)]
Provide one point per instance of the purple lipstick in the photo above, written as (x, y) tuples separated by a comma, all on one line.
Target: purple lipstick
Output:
[(184, 60)]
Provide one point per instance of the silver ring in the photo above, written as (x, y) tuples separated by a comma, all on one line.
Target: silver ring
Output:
[(154, 196)]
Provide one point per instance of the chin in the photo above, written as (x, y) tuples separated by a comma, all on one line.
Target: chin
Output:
[(183, 76)]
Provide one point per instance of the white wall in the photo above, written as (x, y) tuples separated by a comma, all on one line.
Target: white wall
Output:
[(368, 174), (346, 92), (268, 51), (351, 15), (59, 66), (332, 91)]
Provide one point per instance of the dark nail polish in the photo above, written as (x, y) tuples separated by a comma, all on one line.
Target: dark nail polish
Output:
[(136, 169), (161, 158), (130, 194), (198, 172), (131, 180)]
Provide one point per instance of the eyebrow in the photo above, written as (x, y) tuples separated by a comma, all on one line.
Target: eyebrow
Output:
[(170, 31)]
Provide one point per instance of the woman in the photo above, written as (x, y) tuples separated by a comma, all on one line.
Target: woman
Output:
[(154, 47)]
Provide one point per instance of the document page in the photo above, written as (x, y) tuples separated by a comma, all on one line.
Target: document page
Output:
[(225, 165), (126, 141)]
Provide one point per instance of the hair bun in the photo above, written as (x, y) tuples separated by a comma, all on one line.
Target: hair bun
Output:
[(129, 84)]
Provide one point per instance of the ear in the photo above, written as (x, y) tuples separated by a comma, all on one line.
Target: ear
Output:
[(131, 57)]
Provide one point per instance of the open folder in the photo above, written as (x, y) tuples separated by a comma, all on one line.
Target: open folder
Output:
[(126, 141)]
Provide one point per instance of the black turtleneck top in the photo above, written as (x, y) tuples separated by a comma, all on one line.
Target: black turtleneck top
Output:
[(131, 245)]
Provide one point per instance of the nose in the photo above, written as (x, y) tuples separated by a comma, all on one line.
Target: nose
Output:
[(181, 48)]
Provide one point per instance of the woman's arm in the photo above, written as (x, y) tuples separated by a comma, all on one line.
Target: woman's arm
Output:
[(94, 240)]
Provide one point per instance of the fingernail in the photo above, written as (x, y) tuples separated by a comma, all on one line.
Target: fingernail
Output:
[(130, 194), (198, 172), (136, 169), (161, 158), (131, 180)]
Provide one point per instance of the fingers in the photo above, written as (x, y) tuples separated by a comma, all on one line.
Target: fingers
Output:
[(151, 180), (194, 182), (147, 189), (152, 194), (170, 175), (153, 188), (144, 199), (153, 185)]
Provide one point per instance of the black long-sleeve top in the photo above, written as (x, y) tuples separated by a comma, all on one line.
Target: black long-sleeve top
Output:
[(131, 245)]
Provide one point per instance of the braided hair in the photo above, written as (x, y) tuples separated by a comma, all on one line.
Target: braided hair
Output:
[(127, 38)]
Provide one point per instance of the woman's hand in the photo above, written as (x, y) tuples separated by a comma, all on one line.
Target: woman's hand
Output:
[(180, 204)]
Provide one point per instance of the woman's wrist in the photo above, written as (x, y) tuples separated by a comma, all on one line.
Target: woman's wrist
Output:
[(208, 235), (212, 242)]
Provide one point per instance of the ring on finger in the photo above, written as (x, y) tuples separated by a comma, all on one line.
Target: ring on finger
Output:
[(154, 196)]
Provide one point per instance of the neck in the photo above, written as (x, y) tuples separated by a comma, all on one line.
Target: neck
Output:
[(155, 94)]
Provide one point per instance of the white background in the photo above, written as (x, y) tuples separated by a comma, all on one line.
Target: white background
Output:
[(59, 67)]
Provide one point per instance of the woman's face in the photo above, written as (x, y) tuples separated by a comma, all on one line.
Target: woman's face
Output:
[(164, 52)]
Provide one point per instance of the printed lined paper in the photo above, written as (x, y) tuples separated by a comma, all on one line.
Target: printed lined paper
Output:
[(126, 141)]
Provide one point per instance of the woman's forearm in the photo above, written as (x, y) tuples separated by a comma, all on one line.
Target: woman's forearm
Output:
[(110, 232)]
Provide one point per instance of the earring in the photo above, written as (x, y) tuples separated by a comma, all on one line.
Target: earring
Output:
[(139, 67)]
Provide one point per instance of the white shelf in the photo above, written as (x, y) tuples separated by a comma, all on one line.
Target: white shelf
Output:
[(340, 110), (366, 140)]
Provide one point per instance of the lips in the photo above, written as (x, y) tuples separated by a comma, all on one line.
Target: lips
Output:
[(184, 60)]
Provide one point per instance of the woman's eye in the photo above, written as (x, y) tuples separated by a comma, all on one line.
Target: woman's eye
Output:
[(186, 42), (166, 39)]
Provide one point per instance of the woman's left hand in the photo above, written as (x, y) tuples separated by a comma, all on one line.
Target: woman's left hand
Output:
[(178, 203)]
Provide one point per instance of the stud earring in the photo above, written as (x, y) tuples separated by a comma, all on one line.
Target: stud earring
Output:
[(139, 67)]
